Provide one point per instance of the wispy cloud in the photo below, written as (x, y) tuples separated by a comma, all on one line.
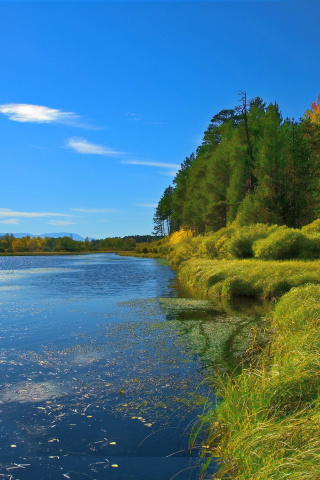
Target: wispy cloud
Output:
[(10, 221), (39, 147), (93, 210), (81, 145), (136, 117), (23, 112), (5, 212), (60, 222), (152, 164), (148, 205), (170, 173)]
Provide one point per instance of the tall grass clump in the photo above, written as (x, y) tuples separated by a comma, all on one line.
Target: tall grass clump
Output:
[(215, 244), (284, 243), (311, 228), (266, 426), (310, 246), (185, 250), (247, 278), (240, 243)]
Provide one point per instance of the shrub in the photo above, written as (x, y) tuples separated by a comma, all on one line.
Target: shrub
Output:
[(310, 246), (313, 227), (240, 244), (215, 244), (185, 250), (282, 244)]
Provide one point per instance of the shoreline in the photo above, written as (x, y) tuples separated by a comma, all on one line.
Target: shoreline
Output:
[(39, 254)]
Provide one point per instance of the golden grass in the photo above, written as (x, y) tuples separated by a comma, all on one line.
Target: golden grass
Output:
[(247, 278), (267, 425)]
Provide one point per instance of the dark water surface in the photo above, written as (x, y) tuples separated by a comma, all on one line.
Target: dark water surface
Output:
[(102, 367)]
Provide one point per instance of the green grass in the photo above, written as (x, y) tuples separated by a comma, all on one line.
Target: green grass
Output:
[(267, 425), (247, 278)]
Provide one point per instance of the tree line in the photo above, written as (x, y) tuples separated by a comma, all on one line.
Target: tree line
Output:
[(253, 166), (10, 244)]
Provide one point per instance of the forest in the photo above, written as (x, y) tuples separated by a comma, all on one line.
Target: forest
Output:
[(252, 167)]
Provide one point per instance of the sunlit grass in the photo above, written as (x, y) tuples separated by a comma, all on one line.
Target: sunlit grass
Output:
[(247, 278), (267, 425)]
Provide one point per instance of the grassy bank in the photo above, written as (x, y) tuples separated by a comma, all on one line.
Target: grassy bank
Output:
[(247, 278), (265, 425)]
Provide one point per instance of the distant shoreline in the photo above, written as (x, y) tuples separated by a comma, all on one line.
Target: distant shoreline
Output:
[(45, 254)]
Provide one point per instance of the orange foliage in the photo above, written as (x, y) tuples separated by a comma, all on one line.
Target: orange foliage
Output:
[(314, 113)]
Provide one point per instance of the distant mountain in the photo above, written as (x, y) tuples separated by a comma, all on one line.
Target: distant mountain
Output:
[(75, 236)]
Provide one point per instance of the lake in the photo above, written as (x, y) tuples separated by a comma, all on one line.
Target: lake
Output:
[(105, 365)]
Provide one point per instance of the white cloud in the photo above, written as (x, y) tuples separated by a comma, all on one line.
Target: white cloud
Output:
[(4, 212), (148, 205), (10, 221), (81, 145), (92, 210), (152, 164), (22, 112), (60, 222), (171, 173)]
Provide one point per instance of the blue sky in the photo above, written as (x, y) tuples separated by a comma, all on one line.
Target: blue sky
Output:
[(100, 102)]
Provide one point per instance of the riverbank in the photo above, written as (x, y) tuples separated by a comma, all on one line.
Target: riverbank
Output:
[(266, 426), (247, 278), (266, 422)]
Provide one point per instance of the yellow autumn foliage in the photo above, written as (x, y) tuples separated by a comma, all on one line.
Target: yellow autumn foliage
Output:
[(178, 237), (314, 112)]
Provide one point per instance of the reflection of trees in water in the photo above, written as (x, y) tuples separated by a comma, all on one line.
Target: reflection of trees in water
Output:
[(218, 335)]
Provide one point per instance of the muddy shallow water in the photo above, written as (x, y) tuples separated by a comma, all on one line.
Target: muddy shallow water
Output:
[(104, 367)]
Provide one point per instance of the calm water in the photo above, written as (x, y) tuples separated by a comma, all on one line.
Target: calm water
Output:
[(102, 367)]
